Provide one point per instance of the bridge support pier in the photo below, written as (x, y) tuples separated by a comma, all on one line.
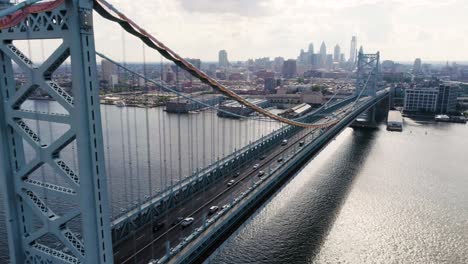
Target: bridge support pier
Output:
[(366, 120)]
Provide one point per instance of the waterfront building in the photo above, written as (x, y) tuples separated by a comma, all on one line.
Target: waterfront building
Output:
[(182, 105), (441, 99), (447, 99), (421, 99)]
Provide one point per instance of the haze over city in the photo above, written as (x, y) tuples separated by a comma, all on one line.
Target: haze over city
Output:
[(400, 30), (233, 131)]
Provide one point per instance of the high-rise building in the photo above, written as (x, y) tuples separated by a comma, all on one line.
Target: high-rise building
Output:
[(289, 69), (270, 85), (342, 58), (278, 64), (223, 59), (352, 52), (310, 53), (447, 99), (329, 61), (109, 72), (323, 54), (195, 62), (302, 59), (311, 48), (336, 53), (417, 66)]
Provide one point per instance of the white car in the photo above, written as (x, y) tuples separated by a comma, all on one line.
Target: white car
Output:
[(256, 166), (187, 221), (213, 209), (261, 173), (231, 182)]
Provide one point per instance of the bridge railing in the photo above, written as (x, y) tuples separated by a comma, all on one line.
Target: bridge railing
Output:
[(214, 225)]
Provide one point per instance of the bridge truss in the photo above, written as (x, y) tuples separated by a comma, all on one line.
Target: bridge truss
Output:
[(33, 223)]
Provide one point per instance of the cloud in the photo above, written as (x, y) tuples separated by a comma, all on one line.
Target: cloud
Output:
[(238, 7), (400, 29)]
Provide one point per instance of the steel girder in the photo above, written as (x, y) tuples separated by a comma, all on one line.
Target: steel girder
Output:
[(71, 22)]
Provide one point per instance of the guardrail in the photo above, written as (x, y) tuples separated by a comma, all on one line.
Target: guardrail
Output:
[(217, 226)]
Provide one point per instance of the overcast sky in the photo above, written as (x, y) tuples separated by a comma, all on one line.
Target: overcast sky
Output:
[(401, 29)]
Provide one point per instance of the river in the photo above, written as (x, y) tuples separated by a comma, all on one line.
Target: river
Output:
[(368, 197)]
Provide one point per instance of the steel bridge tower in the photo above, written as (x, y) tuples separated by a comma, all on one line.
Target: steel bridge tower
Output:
[(368, 73), (30, 217)]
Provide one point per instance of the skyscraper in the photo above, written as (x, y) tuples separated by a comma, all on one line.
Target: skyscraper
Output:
[(223, 59), (311, 48), (417, 66), (352, 52), (302, 59), (310, 53), (337, 53), (323, 54)]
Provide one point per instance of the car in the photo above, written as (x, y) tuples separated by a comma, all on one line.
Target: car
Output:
[(237, 174), (256, 166), (158, 226), (284, 142), (187, 221), (177, 220), (213, 209), (230, 183), (301, 143), (280, 159), (261, 173), (262, 157)]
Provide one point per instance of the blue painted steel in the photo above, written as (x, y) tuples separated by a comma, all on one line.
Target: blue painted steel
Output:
[(191, 248), (72, 23)]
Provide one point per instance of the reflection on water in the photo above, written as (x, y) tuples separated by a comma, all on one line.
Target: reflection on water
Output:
[(369, 197)]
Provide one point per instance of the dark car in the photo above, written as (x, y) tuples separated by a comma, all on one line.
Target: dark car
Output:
[(237, 174), (158, 226), (262, 157), (178, 220)]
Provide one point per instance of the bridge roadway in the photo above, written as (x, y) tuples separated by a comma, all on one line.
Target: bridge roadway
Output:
[(145, 245)]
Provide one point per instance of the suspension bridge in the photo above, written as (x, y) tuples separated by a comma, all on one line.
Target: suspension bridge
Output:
[(90, 183)]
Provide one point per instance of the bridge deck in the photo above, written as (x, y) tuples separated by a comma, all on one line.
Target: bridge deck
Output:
[(144, 245)]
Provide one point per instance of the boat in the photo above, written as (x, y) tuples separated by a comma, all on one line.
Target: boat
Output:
[(442, 118), (120, 103)]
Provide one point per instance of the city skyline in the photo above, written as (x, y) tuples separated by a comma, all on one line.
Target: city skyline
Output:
[(400, 31)]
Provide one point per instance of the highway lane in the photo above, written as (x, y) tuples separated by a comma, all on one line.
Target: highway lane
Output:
[(145, 245)]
